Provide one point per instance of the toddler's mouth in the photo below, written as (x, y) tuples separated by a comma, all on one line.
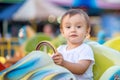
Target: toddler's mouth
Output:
[(73, 35)]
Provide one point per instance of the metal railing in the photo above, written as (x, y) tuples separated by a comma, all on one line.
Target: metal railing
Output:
[(8, 46)]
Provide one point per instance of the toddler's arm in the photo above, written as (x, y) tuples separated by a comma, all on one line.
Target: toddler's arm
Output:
[(75, 68)]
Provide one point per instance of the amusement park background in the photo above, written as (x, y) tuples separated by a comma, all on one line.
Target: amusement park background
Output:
[(18, 14)]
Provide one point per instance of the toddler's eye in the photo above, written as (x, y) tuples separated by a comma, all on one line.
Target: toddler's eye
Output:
[(78, 26), (68, 27)]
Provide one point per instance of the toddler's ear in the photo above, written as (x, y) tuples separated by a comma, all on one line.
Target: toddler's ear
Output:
[(88, 30), (88, 33)]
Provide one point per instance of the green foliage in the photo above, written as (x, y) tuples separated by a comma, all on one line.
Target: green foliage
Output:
[(58, 41), (33, 42)]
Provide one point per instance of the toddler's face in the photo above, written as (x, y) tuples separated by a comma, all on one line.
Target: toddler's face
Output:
[(74, 28)]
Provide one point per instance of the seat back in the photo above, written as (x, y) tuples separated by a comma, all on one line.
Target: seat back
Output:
[(105, 57)]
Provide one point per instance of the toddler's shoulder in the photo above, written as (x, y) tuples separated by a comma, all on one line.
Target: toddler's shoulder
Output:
[(87, 46), (61, 47)]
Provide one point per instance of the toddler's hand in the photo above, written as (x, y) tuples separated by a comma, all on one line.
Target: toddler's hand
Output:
[(58, 58)]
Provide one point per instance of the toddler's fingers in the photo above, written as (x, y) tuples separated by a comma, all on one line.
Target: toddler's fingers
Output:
[(57, 62), (56, 58), (55, 55)]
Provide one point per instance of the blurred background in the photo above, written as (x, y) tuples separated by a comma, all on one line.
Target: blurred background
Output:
[(22, 19)]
